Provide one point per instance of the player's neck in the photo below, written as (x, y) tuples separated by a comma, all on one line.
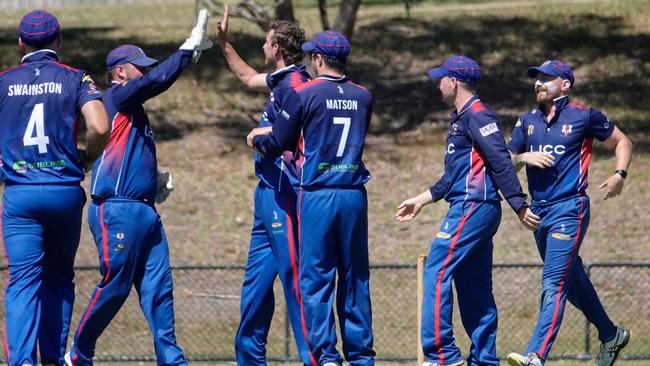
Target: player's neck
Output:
[(462, 97), (549, 110)]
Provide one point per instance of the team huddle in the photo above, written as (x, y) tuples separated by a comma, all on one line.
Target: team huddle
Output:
[(310, 225)]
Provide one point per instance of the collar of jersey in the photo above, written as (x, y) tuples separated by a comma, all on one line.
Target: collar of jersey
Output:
[(560, 103), (288, 68), (472, 100), (40, 55), (332, 78)]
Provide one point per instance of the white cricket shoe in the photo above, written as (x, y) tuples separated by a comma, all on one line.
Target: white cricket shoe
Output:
[(532, 359), (609, 350)]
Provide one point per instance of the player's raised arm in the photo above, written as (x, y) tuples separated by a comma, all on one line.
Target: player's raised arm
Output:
[(244, 72)]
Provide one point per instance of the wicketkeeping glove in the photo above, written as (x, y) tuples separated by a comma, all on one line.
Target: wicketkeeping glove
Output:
[(164, 186), (198, 40)]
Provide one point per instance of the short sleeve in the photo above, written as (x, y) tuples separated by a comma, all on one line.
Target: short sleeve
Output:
[(599, 126), (87, 91), (517, 142)]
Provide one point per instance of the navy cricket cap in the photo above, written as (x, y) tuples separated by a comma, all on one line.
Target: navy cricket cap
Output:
[(462, 68), (329, 44), (554, 68), (128, 53), (38, 28)]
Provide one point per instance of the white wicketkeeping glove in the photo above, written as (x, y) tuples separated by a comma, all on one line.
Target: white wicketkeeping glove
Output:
[(164, 186), (198, 40)]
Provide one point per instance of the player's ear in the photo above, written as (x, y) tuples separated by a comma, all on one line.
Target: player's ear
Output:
[(21, 45), (59, 41), (566, 85)]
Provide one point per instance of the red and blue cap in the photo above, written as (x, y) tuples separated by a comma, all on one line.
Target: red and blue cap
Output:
[(461, 68), (554, 68), (128, 53), (38, 28), (329, 44)]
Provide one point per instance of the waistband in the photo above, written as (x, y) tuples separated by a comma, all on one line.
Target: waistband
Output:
[(550, 203), (98, 200)]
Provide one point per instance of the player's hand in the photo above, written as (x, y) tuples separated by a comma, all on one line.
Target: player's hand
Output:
[(198, 40), (538, 159), (222, 28), (528, 218), (259, 131), (164, 186), (612, 187), (410, 208)]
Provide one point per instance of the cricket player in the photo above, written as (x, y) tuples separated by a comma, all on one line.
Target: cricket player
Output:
[(130, 238), (477, 164), (325, 122), (273, 247), (554, 141), (41, 101)]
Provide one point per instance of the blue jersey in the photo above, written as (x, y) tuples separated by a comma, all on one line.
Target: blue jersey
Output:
[(270, 170), (477, 162), (568, 137), (40, 102), (128, 167), (325, 122)]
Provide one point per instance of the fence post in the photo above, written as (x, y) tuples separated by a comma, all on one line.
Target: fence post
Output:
[(586, 330)]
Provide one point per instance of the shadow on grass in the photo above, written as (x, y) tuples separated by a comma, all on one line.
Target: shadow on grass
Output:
[(391, 56)]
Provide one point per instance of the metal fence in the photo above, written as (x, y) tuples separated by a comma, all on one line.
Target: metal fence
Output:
[(207, 313)]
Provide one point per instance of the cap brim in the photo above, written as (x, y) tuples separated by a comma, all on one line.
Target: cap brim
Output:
[(144, 61), (437, 73), (308, 46)]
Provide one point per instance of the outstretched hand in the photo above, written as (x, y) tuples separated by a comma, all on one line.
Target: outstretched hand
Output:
[(222, 28), (410, 208)]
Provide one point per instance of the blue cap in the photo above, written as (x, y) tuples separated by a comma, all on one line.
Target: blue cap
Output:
[(329, 44), (553, 67), (462, 68), (128, 53), (38, 28)]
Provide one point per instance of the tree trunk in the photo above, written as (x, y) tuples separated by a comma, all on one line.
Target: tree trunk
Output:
[(347, 16), (322, 9), (284, 10)]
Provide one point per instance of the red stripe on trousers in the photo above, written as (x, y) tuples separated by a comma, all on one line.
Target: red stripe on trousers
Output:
[(436, 318), (294, 270), (542, 350)]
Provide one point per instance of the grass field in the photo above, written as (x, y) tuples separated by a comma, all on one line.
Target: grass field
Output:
[(201, 123)]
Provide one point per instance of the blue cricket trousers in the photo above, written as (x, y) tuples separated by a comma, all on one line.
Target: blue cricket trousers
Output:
[(462, 252), (41, 225), (273, 251), (564, 225), (133, 252), (334, 241)]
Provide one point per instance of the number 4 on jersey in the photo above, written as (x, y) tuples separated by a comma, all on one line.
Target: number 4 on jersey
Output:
[(36, 121)]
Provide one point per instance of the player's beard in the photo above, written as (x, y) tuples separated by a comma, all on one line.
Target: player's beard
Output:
[(547, 92)]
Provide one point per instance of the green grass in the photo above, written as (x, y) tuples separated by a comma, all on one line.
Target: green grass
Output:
[(201, 123)]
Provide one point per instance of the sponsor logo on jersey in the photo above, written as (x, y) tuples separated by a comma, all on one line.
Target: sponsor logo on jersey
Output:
[(324, 166), (343, 104), (549, 149), (443, 235), (566, 130), (22, 166), (119, 236), (276, 224), (561, 236), (531, 129), (340, 89), (518, 123), (489, 129), (285, 114)]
